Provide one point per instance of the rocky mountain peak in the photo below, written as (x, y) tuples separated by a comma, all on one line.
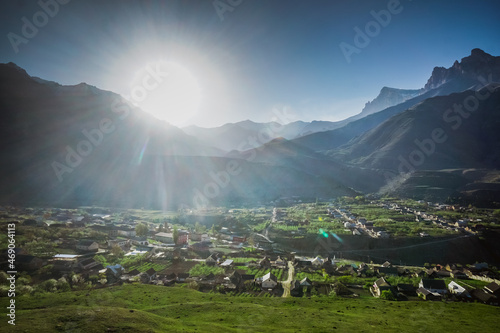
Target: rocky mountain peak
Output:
[(479, 63)]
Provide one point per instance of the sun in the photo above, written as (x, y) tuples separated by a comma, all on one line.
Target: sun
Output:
[(168, 91)]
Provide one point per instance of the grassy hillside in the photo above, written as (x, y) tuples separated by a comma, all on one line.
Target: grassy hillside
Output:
[(144, 308)]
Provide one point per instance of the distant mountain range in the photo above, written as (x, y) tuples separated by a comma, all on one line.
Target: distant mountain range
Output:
[(234, 136), (79, 145)]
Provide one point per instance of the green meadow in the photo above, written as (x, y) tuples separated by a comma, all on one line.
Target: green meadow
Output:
[(147, 308)]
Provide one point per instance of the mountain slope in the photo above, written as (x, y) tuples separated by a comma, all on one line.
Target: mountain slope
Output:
[(246, 134), (286, 153), (473, 71), (386, 98), (445, 147), (448, 136), (76, 145)]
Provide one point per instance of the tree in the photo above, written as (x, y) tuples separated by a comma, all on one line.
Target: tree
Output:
[(141, 229), (40, 248), (198, 227), (175, 234), (3, 277), (100, 259), (117, 251)]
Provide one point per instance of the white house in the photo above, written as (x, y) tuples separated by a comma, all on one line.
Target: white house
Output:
[(457, 289), (317, 262), (269, 281)]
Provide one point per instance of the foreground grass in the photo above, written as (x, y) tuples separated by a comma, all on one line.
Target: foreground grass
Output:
[(144, 308)]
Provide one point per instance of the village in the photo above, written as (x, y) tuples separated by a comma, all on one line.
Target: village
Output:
[(64, 249)]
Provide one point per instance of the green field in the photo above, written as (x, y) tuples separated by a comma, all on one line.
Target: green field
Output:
[(146, 308), (147, 265)]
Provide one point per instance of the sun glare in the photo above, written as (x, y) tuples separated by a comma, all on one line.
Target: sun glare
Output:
[(168, 91)]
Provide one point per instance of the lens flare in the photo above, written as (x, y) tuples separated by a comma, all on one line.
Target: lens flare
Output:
[(337, 237)]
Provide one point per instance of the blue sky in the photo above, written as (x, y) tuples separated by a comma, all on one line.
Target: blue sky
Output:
[(264, 54)]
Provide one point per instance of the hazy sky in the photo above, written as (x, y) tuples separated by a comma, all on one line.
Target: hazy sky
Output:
[(248, 57)]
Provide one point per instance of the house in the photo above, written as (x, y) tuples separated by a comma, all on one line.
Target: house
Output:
[(87, 264), (457, 289), (136, 240), (64, 263), (480, 266), (269, 281), (239, 239), (431, 273), (235, 279), (329, 267), (227, 263), (317, 262), (386, 264), (114, 272), (133, 272), (183, 237), (443, 273), (165, 237), (434, 286), (428, 295), (484, 297), (392, 271), (362, 270), (265, 263), (169, 279), (87, 245), (305, 282), (457, 274), (148, 276), (493, 288), (28, 263), (181, 277), (346, 270), (126, 231), (123, 243), (200, 237), (420, 273), (208, 277), (212, 260), (280, 263), (407, 289), (379, 286)]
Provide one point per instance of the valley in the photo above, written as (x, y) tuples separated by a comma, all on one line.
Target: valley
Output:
[(255, 262)]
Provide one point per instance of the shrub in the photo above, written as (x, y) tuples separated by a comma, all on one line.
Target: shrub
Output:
[(387, 295), (48, 285)]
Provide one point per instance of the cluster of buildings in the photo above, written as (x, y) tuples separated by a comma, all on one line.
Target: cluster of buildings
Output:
[(463, 225), (358, 226)]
